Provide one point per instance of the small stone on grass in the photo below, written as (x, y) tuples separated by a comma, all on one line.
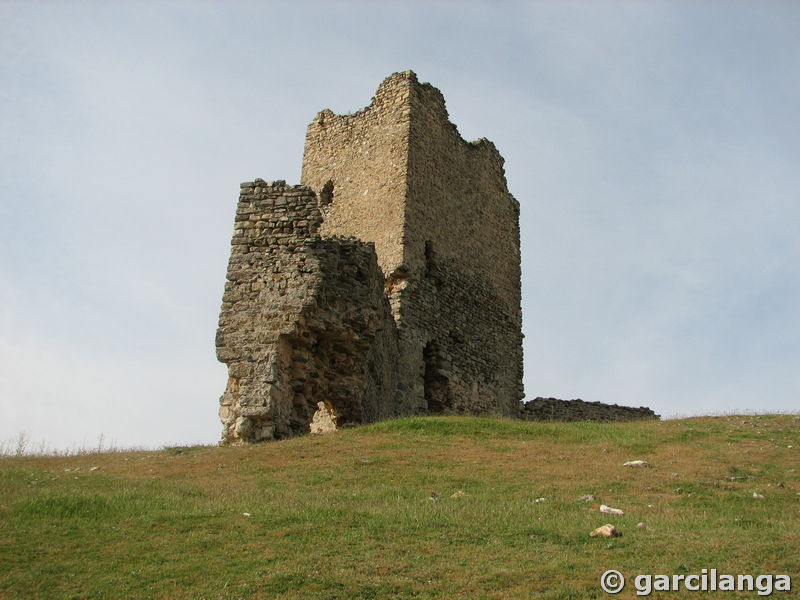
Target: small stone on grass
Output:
[(607, 530), (610, 511)]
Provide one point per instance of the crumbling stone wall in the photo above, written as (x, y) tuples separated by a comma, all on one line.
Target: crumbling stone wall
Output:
[(553, 409), (305, 328)]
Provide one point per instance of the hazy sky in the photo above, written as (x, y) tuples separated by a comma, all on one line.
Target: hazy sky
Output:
[(654, 148)]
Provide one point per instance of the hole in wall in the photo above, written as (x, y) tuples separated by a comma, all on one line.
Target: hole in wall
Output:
[(326, 193)]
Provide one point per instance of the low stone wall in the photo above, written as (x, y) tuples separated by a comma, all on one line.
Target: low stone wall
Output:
[(553, 409)]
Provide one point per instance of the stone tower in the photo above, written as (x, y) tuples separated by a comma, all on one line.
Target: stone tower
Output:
[(388, 283)]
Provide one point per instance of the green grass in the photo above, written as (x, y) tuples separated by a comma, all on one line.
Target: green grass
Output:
[(350, 515)]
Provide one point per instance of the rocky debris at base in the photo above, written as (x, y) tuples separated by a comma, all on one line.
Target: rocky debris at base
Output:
[(323, 420)]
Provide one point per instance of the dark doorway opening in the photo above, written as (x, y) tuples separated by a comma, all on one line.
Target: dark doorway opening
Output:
[(436, 382)]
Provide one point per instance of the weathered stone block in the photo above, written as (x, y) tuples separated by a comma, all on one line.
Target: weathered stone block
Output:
[(255, 412)]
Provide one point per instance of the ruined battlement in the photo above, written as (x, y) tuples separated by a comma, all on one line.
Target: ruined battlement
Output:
[(386, 284)]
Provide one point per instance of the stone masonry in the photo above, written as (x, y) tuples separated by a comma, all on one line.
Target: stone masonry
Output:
[(387, 284), (305, 326), (553, 409)]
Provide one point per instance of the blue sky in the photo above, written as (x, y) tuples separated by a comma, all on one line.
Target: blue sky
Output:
[(653, 146)]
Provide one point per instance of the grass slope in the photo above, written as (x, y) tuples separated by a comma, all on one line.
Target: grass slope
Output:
[(350, 515)]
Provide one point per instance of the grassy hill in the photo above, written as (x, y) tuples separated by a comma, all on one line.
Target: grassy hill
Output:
[(413, 508)]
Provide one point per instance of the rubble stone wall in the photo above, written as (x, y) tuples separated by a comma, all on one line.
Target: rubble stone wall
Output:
[(553, 409), (305, 327)]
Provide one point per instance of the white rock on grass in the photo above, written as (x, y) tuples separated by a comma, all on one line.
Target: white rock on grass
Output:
[(610, 511), (607, 530), (323, 420), (636, 463)]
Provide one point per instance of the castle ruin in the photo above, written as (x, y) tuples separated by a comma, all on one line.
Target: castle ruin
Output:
[(386, 284)]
